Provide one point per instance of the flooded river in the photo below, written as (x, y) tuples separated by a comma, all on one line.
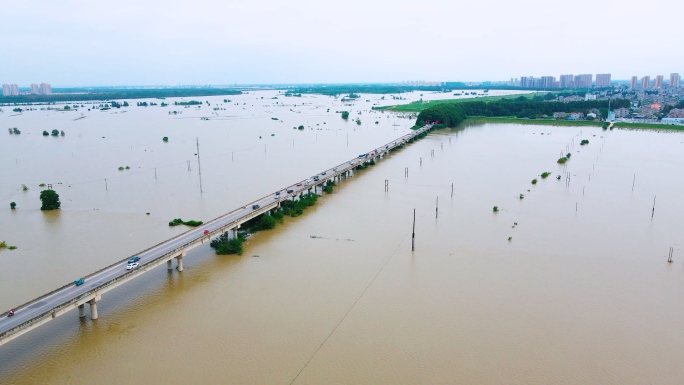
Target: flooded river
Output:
[(581, 293)]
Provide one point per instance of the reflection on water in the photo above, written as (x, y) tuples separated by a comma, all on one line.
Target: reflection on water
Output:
[(582, 292)]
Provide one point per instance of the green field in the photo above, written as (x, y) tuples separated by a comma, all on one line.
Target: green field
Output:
[(420, 106), (546, 122), (553, 122), (647, 126)]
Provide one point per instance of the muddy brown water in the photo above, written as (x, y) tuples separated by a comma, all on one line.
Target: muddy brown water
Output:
[(582, 293)]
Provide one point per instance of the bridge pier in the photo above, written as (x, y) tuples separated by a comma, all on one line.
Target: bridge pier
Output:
[(81, 310), (169, 264), (93, 308), (179, 261)]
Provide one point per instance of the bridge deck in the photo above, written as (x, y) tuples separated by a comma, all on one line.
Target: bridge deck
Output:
[(51, 305)]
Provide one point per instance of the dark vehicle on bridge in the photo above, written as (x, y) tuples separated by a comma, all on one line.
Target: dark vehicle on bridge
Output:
[(79, 282), (315, 178), (323, 173), (277, 194), (290, 191), (134, 259), (254, 207)]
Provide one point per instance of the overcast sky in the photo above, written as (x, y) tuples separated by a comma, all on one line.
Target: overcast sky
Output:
[(123, 42)]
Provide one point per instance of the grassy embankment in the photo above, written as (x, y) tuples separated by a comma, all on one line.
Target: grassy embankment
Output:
[(554, 122), (545, 122), (420, 106), (647, 126)]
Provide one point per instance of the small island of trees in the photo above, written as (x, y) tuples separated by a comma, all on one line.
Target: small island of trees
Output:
[(49, 200)]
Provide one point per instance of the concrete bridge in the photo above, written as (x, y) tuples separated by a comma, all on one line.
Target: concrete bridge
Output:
[(60, 301)]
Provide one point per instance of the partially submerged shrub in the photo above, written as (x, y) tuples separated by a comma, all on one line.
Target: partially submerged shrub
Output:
[(179, 221), (224, 246)]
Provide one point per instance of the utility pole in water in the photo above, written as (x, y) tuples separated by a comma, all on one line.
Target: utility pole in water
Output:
[(413, 234), (199, 165)]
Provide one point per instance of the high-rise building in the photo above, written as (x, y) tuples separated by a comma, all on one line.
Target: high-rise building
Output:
[(547, 81), (646, 82), (35, 89), (583, 81), (45, 89), (633, 83), (523, 82), (658, 81), (567, 81), (530, 82), (602, 80), (674, 80), (10, 90)]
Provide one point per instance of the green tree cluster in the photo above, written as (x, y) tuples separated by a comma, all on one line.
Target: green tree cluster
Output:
[(49, 200), (225, 246), (452, 114), (296, 208)]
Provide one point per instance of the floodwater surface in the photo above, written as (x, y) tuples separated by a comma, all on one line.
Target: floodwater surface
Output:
[(581, 293)]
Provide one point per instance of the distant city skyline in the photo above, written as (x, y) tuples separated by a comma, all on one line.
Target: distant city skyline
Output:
[(301, 41)]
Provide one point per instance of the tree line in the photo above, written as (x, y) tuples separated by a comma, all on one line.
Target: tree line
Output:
[(115, 93), (452, 114)]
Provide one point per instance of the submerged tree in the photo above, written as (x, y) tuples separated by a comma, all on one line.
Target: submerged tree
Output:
[(50, 200)]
